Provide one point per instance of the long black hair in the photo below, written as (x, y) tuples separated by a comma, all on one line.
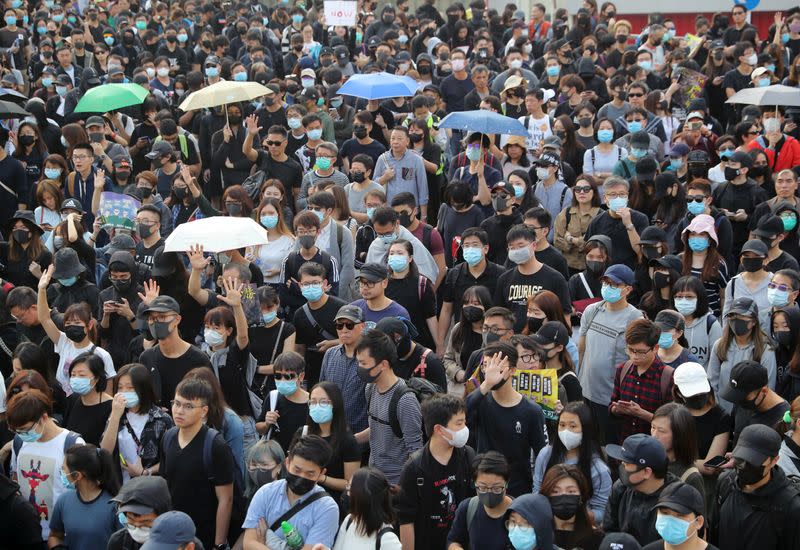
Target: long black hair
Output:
[(589, 447), (339, 425), (95, 464), (370, 501)]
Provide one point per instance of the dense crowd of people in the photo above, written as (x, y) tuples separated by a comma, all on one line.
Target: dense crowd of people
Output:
[(583, 337)]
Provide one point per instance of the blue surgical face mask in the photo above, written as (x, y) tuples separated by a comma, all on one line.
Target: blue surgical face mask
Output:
[(785, 37), (618, 203), (79, 385), (473, 153), (315, 135), (286, 387), (770, 67), (522, 538), (673, 530), (31, 436), (321, 414), (473, 255), (553, 70), (605, 135), (269, 221), (62, 91), (131, 399), (65, 482), (666, 340), (240, 77), (69, 281), (777, 297), (371, 211), (611, 294), (52, 173), (764, 82), (686, 306), (336, 102), (398, 262), (294, 123), (676, 164), (109, 40), (638, 153), (634, 126), (312, 293), (319, 214), (268, 316), (213, 337), (183, 37), (11, 20), (519, 190), (212, 72), (696, 208), (727, 153), (297, 19), (698, 244), (647, 66), (389, 239)]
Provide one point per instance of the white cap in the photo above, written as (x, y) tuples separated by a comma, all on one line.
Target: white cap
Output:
[(691, 379), (695, 114), (758, 72), (308, 72)]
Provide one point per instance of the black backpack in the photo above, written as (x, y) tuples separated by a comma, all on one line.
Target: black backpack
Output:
[(422, 390)]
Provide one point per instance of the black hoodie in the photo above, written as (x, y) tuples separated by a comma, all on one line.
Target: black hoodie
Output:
[(19, 523), (117, 337), (788, 383)]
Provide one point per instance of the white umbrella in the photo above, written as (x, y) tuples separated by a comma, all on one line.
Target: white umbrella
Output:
[(777, 94), (222, 93), (216, 234)]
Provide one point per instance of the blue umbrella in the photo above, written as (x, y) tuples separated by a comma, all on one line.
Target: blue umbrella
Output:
[(485, 122), (379, 86)]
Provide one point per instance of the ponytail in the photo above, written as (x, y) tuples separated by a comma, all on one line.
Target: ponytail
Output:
[(95, 464)]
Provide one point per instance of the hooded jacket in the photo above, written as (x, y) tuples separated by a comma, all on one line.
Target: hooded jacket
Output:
[(378, 27), (117, 337), (19, 522), (765, 519), (536, 511), (632, 512), (788, 383), (789, 456), (701, 335)]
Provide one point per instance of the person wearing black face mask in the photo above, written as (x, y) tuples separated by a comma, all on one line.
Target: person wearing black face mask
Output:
[(148, 226), (757, 505), (24, 250), (480, 521), (567, 489), (413, 359), (752, 281), (738, 198), (772, 233), (361, 142), (120, 302), (652, 245), (665, 271), (382, 24), (754, 401)]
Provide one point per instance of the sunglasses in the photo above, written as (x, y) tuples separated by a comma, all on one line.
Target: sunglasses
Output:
[(582, 188), (695, 198), (349, 325), (275, 143), (286, 376), (635, 95), (782, 288)]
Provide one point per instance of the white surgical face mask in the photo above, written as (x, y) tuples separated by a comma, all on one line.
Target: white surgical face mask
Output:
[(139, 534), (458, 438), (771, 125), (570, 439)]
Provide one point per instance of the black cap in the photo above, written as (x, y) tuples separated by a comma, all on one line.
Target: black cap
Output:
[(619, 541), (742, 158), (351, 313), (162, 263), (640, 450), (698, 155), (681, 498), (326, 50), (646, 168), (144, 495), (743, 306), (553, 332), (548, 159), (653, 235), (373, 272), (161, 304), (72, 204), (757, 443), (668, 319), (769, 227), (374, 41), (160, 148), (757, 246), (669, 261), (396, 325), (746, 377), (663, 182)]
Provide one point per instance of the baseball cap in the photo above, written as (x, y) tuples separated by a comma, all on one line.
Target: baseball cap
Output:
[(95, 121), (144, 495), (162, 304), (619, 541), (641, 450), (121, 242), (679, 150), (670, 261), (652, 234), (160, 149), (326, 50), (309, 73), (553, 332), (640, 138), (548, 159), (114, 70), (374, 41), (170, 531), (756, 246), (746, 377), (682, 498), (211, 60), (351, 313), (757, 443), (742, 158), (308, 94), (122, 162), (743, 306), (72, 204), (373, 272), (619, 274), (769, 227), (646, 169), (667, 319), (695, 114), (758, 72), (503, 186), (341, 52), (691, 379), (552, 141)]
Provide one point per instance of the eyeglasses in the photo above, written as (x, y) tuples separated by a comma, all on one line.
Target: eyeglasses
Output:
[(747, 133), (496, 489), (635, 94), (494, 330), (727, 149), (349, 325), (160, 319), (148, 223), (782, 288), (178, 405), (366, 284), (529, 358), (80, 157), (311, 284), (617, 195), (273, 143), (638, 352), (323, 402), (695, 198), (582, 188), (285, 376)]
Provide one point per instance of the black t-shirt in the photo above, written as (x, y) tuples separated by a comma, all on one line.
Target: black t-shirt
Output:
[(292, 417), (784, 261), (567, 539), (352, 147), (513, 289), (232, 378), (146, 255), (289, 172), (262, 346), (736, 80), (743, 418), (482, 533), (167, 372), (434, 367), (18, 272), (89, 421), (459, 279), (554, 258), (140, 162), (454, 91), (294, 143), (348, 450), (189, 486), (605, 224), (406, 292), (310, 336)]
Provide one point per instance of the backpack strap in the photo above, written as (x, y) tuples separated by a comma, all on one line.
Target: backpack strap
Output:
[(666, 383), (582, 277), (689, 472), (627, 170), (273, 403), (322, 332), (426, 236), (561, 201), (380, 535), (710, 320), (339, 238), (626, 369), (594, 157), (394, 402), (294, 510), (71, 439), (423, 365), (208, 459), (472, 509)]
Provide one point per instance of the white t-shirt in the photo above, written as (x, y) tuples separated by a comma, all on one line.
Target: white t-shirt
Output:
[(603, 162), (37, 470), (350, 539), (538, 130), (66, 350), (127, 446), (271, 256)]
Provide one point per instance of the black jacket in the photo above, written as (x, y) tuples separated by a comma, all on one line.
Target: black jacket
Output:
[(19, 522), (767, 519), (632, 512), (497, 227)]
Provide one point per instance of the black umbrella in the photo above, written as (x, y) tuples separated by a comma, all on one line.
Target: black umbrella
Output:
[(12, 110), (12, 95)]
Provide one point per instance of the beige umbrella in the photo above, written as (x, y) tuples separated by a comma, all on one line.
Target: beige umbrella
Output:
[(223, 93)]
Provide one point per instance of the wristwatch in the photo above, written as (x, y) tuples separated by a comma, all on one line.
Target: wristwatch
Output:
[(629, 226), (223, 546)]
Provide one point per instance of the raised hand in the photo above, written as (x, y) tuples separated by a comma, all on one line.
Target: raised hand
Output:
[(196, 258), (99, 178), (45, 279), (151, 292), (233, 292), (252, 125)]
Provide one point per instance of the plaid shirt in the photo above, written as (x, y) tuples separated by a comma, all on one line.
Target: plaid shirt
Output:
[(342, 370), (644, 389)]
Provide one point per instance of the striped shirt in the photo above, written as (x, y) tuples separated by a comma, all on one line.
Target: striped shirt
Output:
[(388, 453)]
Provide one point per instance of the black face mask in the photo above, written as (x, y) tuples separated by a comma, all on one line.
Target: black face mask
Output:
[(403, 346), (534, 324), (299, 485), (357, 177), (565, 506), (360, 132), (75, 333), (651, 252), (660, 280), (756, 171), (696, 402), (405, 219), (622, 38), (144, 230), (594, 267), (784, 338), (122, 286), (261, 476), (424, 69), (751, 265), (731, 173), (472, 314), (180, 193), (145, 192), (27, 140), (748, 474), (234, 209), (740, 326), (490, 500), (234, 120), (160, 330), (751, 404), (415, 138), (625, 477), (306, 241), (22, 236)]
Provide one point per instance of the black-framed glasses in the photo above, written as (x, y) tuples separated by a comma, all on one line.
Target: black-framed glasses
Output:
[(341, 325), (638, 352), (273, 143), (635, 94), (582, 188), (285, 376), (695, 198), (496, 489)]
